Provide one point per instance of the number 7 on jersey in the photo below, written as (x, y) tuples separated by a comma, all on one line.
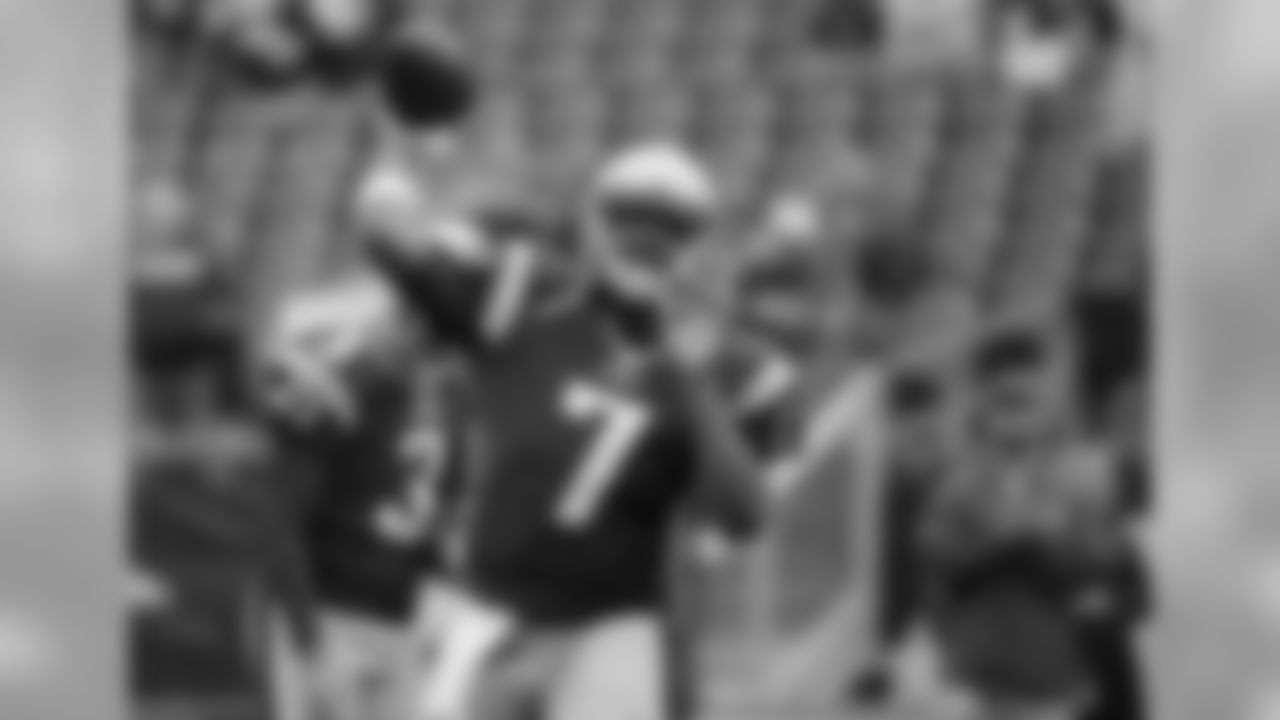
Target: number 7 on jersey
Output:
[(619, 423)]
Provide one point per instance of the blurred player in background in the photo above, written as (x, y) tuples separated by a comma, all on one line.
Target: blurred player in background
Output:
[(365, 446), (601, 423), (356, 403)]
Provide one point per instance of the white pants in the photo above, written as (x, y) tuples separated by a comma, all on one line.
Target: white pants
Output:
[(360, 670), (470, 662), (613, 669)]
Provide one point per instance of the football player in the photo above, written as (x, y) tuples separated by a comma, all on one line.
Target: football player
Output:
[(363, 447), (594, 394)]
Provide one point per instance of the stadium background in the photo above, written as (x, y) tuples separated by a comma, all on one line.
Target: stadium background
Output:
[(1020, 204)]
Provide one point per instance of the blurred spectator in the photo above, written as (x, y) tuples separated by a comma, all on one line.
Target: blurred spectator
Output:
[(781, 283), (427, 96), (345, 36), (1129, 96), (260, 36), (275, 40), (1042, 44), (161, 209), (890, 270), (346, 24), (174, 20), (857, 25), (783, 298), (792, 221), (1009, 539), (1127, 428), (1000, 602), (423, 81), (934, 35), (1068, 564), (1008, 373), (893, 286), (1112, 331), (921, 450), (1111, 648), (181, 319), (1126, 594), (1114, 610)]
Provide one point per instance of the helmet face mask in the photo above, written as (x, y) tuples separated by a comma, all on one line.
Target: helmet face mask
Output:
[(651, 210), (639, 248), (645, 244)]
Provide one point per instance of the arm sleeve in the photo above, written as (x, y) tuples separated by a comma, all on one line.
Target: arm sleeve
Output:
[(440, 267), (763, 401), (732, 491), (446, 296)]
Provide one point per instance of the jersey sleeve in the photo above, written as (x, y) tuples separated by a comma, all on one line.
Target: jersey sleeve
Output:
[(438, 265), (463, 284), (761, 385), (445, 294)]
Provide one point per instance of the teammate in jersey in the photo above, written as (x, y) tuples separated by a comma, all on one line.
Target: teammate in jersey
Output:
[(593, 391), (363, 449)]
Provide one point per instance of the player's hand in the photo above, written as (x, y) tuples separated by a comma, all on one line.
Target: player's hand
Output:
[(691, 335), (693, 323)]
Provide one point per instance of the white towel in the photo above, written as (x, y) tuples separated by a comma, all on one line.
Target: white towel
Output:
[(463, 633)]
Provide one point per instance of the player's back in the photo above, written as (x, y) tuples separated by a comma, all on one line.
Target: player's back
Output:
[(586, 462), (367, 460), (367, 517)]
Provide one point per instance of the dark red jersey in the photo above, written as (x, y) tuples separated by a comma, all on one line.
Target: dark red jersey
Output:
[(369, 521), (586, 452), (588, 459), (369, 491)]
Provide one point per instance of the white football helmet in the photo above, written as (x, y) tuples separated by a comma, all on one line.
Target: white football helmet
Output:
[(660, 173), (649, 207)]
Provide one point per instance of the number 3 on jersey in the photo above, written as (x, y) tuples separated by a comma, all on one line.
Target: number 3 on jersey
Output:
[(406, 517), (618, 423)]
